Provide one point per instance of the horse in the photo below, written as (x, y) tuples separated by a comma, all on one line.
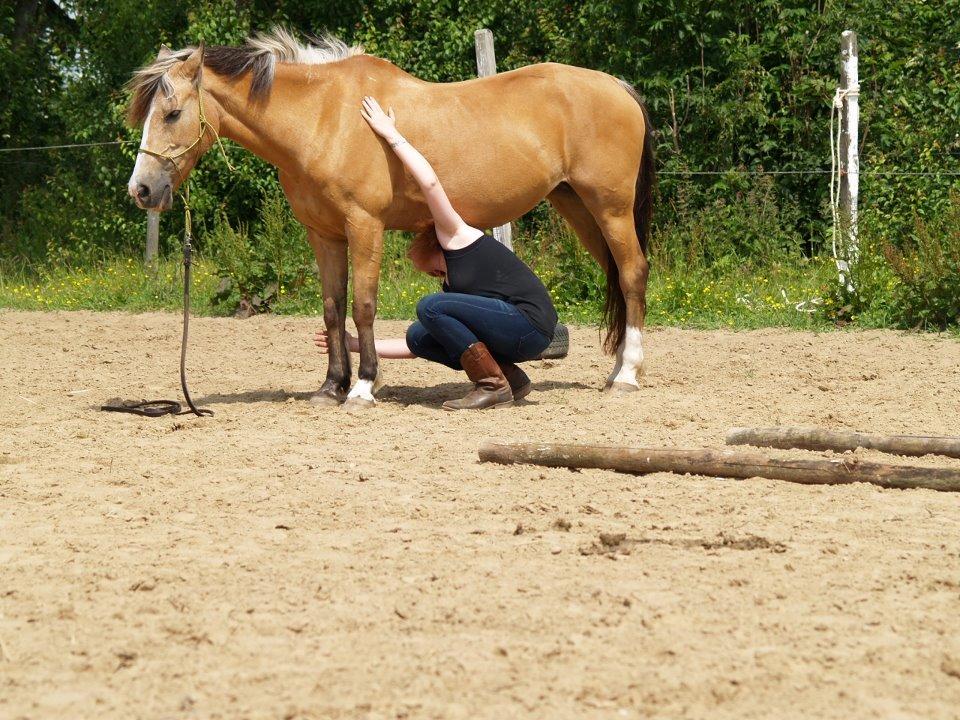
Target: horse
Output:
[(579, 138)]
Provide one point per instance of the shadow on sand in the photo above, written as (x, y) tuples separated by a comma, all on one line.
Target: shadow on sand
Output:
[(432, 396)]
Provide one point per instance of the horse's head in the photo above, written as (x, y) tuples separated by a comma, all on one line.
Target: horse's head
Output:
[(167, 101)]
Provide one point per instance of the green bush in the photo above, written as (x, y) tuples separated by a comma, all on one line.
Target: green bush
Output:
[(928, 270), (911, 282), (73, 221), (871, 303), (735, 220), (555, 253), (273, 267)]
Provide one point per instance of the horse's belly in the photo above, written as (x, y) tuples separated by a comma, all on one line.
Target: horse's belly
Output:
[(483, 200)]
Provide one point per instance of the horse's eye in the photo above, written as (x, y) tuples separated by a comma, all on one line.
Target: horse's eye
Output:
[(172, 115)]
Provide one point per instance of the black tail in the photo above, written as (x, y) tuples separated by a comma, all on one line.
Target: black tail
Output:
[(615, 309)]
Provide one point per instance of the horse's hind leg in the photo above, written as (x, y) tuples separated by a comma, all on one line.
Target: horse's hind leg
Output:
[(597, 231), (621, 235), (571, 208), (614, 216)]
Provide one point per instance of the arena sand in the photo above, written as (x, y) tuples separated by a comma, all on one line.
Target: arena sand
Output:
[(282, 560)]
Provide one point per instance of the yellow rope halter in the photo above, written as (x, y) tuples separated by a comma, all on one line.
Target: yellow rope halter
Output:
[(172, 159)]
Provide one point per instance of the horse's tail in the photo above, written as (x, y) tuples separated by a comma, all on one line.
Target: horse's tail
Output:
[(615, 309)]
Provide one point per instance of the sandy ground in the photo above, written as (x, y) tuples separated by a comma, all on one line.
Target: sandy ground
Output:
[(282, 560)]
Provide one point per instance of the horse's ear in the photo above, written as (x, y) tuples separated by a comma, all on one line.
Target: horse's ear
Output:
[(193, 65), (165, 52)]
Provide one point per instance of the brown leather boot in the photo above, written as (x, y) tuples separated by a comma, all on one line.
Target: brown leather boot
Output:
[(519, 382), (491, 388)]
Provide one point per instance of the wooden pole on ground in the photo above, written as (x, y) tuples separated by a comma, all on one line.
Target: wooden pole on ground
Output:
[(721, 463), (486, 66), (806, 438), (153, 238)]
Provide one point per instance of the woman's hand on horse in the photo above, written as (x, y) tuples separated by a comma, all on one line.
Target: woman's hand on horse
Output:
[(322, 341), (383, 123)]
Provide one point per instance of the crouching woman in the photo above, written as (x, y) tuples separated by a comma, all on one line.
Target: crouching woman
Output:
[(493, 311)]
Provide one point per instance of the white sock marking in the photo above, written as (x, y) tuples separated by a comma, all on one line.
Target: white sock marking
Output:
[(630, 357), (362, 389)]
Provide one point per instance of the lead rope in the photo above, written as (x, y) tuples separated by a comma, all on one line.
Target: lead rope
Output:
[(156, 408), (187, 259)]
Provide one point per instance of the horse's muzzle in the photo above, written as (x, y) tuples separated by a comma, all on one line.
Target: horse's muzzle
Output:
[(148, 198)]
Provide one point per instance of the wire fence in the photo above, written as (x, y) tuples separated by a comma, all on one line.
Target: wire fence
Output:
[(713, 173)]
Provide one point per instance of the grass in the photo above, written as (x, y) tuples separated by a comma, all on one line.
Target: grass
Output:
[(117, 284), (792, 294)]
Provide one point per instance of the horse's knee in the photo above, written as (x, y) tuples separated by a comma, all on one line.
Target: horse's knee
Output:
[(333, 312), (364, 312)]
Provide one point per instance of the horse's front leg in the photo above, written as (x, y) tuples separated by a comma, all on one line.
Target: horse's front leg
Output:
[(332, 261), (365, 238)]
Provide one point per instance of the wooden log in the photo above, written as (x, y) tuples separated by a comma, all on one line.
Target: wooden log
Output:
[(721, 463), (810, 438)]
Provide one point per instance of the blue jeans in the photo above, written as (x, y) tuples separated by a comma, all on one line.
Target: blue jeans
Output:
[(449, 323)]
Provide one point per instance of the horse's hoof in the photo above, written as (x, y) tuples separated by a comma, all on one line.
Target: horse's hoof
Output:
[(323, 399), (358, 404), (620, 388)]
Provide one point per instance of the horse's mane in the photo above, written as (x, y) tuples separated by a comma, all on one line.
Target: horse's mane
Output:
[(259, 55)]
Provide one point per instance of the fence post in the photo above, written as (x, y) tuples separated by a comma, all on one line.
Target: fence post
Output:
[(487, 65), (153, 237), (849, 151)]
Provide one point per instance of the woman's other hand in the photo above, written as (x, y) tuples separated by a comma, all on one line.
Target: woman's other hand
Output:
[(384, 124), (322, 341)]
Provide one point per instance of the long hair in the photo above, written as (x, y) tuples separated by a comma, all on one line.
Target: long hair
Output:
[(425, 244)]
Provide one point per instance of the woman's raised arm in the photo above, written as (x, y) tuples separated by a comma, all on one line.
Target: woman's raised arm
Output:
[(452, 231)]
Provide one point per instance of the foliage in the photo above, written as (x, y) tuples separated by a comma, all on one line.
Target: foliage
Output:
[(684, 297), (737, 219), (277, 262), (928, 269), (115, 283), (911, 284), (735, 85)]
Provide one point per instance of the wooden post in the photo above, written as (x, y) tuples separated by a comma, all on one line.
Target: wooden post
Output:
[(806, 438), (722, 463), (487, 65), (849, 153), (153, 238)]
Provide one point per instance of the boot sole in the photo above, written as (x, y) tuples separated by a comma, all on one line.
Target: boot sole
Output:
[(521, 393)]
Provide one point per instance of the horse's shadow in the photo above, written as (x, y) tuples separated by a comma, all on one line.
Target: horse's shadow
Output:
[(254, 396), (431, 396)]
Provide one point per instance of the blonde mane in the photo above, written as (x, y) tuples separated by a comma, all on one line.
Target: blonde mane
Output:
[(259, 55)]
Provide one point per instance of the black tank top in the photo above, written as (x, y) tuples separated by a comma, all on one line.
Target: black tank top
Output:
[(489, 269)]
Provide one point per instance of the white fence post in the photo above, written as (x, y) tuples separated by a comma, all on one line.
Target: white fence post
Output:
[(153, 237), (487, 65), (849, 149)]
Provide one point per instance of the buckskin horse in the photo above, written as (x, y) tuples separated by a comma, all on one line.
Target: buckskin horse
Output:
[(580, 138)]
